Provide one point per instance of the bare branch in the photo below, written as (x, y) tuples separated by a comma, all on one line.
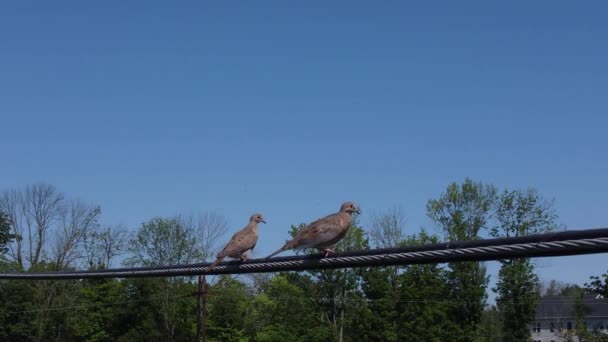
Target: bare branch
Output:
[(388, 227), (46, 225), (210, 227), (112, 243), (76, 222), (32, 213), (42, 205), (102, 245)]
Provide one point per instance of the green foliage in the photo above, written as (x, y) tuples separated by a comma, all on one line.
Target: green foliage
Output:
[(92, 310), (518, 295), (418, 309), (552, 288), (573, 290), (12, 326), (287, 313), (523, 212), (580, 311), (16, 304), (337, 290), (423, 305), (490, 328), (5, 233), (599, 284), (380, 323), (424, 300), (94, 320), (519, 213), (228, 309), (401, 303), (166, 241), (163, 241), (462, 212), (139, 318)]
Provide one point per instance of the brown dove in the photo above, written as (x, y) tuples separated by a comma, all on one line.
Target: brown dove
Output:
[(242, 242), (323, 233)]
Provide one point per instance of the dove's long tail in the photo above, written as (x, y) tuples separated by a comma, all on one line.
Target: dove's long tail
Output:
[(282, 249), (217, 262), (288, 245)]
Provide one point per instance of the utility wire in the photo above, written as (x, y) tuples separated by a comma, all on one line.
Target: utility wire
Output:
[(573, 242)]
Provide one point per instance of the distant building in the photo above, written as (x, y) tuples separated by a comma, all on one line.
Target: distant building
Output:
[(556, 320)]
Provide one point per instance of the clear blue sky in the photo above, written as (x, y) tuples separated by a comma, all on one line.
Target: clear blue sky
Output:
[(289, 108)]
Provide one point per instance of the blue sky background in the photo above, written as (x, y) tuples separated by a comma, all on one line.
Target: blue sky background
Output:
[(289, 108)]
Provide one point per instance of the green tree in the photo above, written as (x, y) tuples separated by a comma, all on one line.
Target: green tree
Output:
[(337, 288), (166, 241), (462, 213), (387, 230), (599, 284), (286, 312), (139, 319), (419, 311), (379, 320), (580, 312), (5, 234), (518, 294), (163, 241), (519, 213), (551, 288), (16, 307), (98, 300), (48, 232), (228, 311), (424, 299), (491, 325)]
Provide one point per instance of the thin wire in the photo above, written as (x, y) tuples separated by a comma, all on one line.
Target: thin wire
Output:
[(76, 307), (283, 299)]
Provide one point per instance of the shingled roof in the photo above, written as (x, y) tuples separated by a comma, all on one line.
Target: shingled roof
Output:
[(559, 307)]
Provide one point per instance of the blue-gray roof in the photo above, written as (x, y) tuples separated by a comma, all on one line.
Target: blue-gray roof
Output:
[(562, 307)]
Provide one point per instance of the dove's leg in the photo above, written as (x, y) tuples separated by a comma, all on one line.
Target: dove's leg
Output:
[(328, 251), (245, 256)]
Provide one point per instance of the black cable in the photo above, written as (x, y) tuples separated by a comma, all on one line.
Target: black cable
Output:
[(573, 242)]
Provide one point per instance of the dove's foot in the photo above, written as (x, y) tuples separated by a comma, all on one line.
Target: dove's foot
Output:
[(328, 252), (243, 259)]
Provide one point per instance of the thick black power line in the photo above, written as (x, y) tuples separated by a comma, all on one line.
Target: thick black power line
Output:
[(573, 242)]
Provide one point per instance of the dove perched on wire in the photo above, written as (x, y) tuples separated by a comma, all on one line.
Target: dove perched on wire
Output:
[(242, 242), (323, 233)]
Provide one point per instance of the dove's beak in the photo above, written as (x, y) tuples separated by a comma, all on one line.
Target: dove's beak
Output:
[(264, 222)]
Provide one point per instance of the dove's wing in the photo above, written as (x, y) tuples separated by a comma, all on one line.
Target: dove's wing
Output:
[(240, 242), (322, 232)]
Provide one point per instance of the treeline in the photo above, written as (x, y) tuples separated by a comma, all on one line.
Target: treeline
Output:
[(41, 229)]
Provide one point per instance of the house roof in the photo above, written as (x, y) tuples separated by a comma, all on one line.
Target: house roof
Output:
[(557, 307)]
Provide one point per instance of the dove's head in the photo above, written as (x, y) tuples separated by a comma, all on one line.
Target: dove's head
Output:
[(349, 207), (257, 218)]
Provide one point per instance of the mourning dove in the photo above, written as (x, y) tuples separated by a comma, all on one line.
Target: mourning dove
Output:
[(242, 242), (323, 233)]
